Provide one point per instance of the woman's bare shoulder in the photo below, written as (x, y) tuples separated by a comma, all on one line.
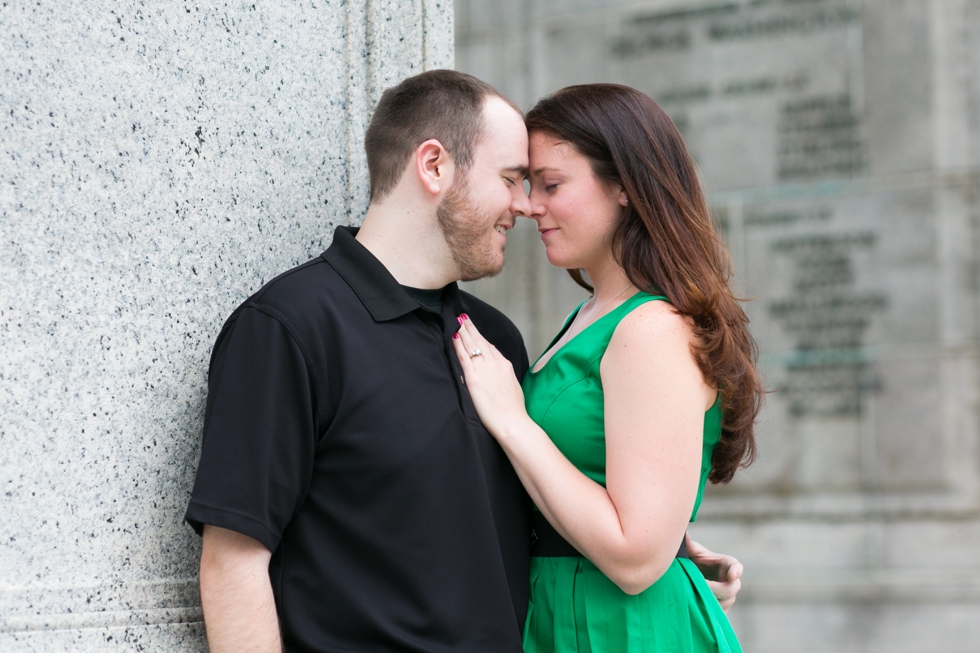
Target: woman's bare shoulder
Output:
[(655, 324), (653, 346)]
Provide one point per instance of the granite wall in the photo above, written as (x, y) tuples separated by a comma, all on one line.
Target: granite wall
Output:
[(158, 162), (839, 141)]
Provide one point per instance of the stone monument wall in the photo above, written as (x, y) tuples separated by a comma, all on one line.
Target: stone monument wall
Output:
[(839, 142), (158, 162)]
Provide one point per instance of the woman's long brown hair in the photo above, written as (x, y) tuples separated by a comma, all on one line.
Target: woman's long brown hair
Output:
[(666, 240)]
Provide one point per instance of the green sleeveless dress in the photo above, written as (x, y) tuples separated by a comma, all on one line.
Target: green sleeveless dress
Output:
[(574, 608)]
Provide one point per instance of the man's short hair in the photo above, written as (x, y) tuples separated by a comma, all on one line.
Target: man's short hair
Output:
[(442, 104)]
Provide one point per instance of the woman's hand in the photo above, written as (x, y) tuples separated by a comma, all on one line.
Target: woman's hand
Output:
[(722, 572), (490, 377)]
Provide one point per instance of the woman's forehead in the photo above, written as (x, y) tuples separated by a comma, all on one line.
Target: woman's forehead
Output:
[(547, 148)]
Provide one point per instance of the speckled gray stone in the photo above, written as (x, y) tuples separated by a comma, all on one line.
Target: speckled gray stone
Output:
[(158, 162)]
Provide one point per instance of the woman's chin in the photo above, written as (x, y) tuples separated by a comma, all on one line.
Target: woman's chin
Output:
[(565, 262), (556, 258), (556, 261)]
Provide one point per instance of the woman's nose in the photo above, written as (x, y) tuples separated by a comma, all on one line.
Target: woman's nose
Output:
[(535, 209)]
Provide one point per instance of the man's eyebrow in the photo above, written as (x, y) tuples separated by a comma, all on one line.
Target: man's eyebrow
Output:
[(517, 170)]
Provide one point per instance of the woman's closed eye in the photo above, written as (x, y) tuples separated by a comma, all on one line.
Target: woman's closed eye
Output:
[(548, 185)]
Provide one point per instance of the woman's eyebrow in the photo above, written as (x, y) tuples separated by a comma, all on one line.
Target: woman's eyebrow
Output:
[(538, 171)]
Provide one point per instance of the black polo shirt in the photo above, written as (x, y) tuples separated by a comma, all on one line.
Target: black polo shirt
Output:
[(339, 433)]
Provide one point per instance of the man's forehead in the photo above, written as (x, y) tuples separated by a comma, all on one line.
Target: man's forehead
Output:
[(495, 107), (504, 143), (504, 151), (500, 119)]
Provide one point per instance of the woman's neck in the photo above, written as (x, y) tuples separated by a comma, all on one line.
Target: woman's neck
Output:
[(608, 281)]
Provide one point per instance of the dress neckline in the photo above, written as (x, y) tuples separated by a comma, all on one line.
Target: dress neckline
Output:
[(568, 324)]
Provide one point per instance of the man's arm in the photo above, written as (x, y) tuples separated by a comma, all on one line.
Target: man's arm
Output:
[(236, 594), (723, 572)]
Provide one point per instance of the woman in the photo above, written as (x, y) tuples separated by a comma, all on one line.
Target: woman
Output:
[(648, 391)]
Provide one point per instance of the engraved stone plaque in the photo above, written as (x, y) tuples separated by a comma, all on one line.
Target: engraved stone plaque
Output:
[(839, 145), (839, 229)]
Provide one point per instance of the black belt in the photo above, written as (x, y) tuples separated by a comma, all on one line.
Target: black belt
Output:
[(546, 542)]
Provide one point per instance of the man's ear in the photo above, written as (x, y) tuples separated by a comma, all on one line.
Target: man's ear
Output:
[(434, 166)]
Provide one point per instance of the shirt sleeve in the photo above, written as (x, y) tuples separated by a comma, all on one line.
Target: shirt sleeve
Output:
[(259, 431)]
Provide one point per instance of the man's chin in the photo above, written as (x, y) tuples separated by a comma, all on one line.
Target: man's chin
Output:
[(483, 272)]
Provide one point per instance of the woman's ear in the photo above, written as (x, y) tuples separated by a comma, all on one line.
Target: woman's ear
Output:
[(433, 165), (623, 200)]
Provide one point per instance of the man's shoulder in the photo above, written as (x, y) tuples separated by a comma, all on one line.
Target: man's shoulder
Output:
[(301, 282), (295, 293)]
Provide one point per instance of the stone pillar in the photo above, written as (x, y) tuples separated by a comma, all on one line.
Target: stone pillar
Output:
[(158, 162), (839, 141)]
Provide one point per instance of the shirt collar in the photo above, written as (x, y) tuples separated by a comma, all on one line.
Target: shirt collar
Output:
[(370, 280)]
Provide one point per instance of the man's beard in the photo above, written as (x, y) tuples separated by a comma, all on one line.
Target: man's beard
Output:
[(465, 230)]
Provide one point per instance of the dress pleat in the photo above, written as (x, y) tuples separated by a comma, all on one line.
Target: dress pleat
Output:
[(577, 609)]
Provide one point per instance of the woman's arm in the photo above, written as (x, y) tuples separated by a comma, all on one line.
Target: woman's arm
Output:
[(655, 399)]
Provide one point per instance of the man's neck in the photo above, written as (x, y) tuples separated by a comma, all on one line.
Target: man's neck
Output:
[(409, 244)]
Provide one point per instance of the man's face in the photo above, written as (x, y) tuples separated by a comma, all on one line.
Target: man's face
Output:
[(481, 206)]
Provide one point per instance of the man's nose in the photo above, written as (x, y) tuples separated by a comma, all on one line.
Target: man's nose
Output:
[(521, 205)]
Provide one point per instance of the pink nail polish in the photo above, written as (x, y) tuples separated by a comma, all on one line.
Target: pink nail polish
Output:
[(460, 320), (465, 316), (455, 336)]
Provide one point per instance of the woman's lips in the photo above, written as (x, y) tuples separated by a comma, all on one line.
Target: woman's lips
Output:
[(545, 232)]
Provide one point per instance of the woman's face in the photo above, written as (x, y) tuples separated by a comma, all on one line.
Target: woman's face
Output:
[(576, 213)]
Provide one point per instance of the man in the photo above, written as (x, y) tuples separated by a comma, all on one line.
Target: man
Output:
[(349, 497)]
